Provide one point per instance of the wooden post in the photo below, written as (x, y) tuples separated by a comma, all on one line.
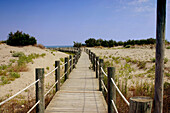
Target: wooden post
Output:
[(111, 95), (66, 69), (57, 75), (40, 90), (70, 63), (77, 57), (100, 73), (90, 55), (94, 62), (73, 61), (160, 45), (97, 67), (140, 104)]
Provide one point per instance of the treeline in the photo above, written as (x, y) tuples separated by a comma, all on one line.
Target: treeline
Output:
[(91, 42)]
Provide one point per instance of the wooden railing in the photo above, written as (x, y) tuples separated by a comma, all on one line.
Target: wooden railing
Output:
[(138, 104), (69, 65)]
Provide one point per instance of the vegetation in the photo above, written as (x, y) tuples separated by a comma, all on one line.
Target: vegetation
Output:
[(91, 42), (62, 59), (10, 72), (168, 47), (20, 39), (47, 68), (77, 44)]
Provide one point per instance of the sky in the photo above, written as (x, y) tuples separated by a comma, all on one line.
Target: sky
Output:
[(60, 22)]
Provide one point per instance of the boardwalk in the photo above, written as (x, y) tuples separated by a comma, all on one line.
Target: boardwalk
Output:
[(79, 94)]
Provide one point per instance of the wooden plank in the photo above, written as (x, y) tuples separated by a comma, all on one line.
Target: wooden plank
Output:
[(79, 93)]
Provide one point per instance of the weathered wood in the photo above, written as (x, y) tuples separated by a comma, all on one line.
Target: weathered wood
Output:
[(40, 90), (160, 45), (140, 105), (70, 62), (57, 75), (79, 94), (111, 95), (100, 74), (97, 67), (74, 62), (94, 61), (66, 69)]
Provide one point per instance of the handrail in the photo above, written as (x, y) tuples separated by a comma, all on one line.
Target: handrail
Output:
[(33, 106), (70, 60), (33, 83), (120, 92), (63, 75), (104, 86), (18, 92), (51, 88), (103, 72), (116, 88), (51, 71), (114, 106)]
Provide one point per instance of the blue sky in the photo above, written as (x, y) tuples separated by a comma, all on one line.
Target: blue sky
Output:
[(60, 22)]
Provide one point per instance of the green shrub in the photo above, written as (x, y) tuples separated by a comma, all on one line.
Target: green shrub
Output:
[(47, 68), (153, 60), (166, 85), (167, 74), (168, 47), (62, 59), (141, 64), (14, 74), (4, 80), (3, 67), (127, 46), (43, 54), (12, 60), (165, 60), (20, 39), (128, 59), (18, 54)]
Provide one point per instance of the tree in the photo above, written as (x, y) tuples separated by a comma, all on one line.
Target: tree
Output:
[(99, 42), (110, 43), (77, 44), (20, 39), (90, 42), (105, 43)]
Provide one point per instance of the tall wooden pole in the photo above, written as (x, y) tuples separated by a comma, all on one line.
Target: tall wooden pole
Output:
[(160, 44)]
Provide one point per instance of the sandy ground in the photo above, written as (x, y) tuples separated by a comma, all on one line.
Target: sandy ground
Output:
[(28, 77), (139, 54)]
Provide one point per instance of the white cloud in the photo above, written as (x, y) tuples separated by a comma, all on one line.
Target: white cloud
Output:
[(136, 2), (142, 5), (143, 9)]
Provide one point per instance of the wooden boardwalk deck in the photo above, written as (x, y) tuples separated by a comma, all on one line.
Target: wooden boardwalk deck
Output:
[(79, 94)]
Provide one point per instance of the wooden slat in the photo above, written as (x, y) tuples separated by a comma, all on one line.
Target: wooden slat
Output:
[(80, 93)]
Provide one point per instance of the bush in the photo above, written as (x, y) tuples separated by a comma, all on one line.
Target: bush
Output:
[(165, 60), (77, 44), (18, 54), (20, 39), (47, 68), (168, 47), (153, 60), (14, 75), (127, 46)]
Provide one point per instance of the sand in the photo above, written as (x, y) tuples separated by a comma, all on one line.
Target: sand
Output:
[(28, 77), (139, 54)]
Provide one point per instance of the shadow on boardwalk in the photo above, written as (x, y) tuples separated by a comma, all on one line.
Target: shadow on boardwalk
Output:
[(79, 94)]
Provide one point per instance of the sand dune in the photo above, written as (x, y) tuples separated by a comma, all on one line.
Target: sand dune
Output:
[(28, 77)]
